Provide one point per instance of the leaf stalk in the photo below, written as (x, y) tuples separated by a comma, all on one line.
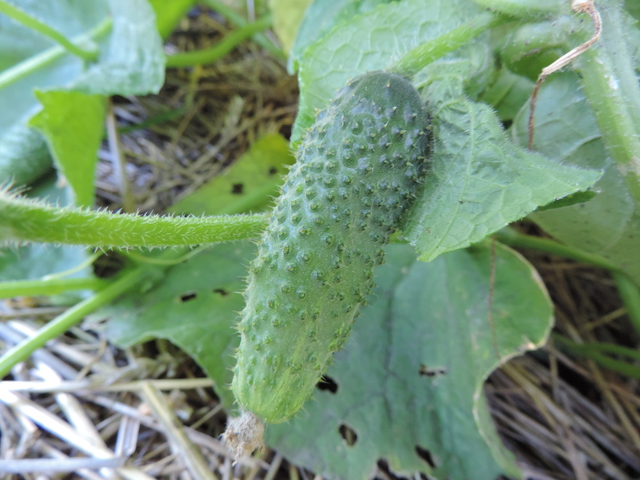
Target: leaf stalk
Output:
[(53, 286)]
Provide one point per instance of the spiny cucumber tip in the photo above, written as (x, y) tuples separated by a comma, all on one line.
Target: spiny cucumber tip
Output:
[(244, 434)]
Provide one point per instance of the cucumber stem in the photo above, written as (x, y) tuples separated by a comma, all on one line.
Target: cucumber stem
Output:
[(424, 54), (596, 352), (630, 295), (224, 46), (54, 286), (511, 237), (608, 78), (25, 220), (69, 318), (239, 21)]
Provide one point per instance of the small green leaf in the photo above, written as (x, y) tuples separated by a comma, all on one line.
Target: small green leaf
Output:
[(533, 46), (410, 377), (73, 125), (374, 40), (133, 62), (169, 13), (480, 180), (287, 15), (248, 186)]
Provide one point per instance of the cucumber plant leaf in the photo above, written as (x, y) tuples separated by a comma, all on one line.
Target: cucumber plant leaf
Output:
[(73, 125), (195, 304), (21, 147), (321, 17), (133, 61), (287, 15), (409, 380), (479, 180), (609, 224), (169, 13), (247, 186), (374, 40), (507, 93)]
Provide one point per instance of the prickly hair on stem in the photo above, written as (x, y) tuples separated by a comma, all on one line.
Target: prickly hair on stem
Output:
[(244, 434), (32, 220)]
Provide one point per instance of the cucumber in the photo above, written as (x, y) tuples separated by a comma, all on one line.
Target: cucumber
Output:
[(358, 170)]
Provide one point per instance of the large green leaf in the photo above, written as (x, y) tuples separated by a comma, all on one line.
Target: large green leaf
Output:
[(17, 43), (410, 377), (73, 124), (609, 224), (133, 62), (479, 179), (195, 304), (371, 41)]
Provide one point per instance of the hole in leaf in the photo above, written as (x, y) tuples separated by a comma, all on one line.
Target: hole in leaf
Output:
[(432, 372), (237, 188), (327, 383), (386, 472), (188, 296), (273, 171), (425, 455), (221, 291), (348, 434)]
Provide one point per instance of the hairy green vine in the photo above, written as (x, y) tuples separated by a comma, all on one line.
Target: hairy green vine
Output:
[(25, 220)]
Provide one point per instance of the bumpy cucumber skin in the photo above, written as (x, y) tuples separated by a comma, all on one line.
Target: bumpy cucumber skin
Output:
[(358, 171)]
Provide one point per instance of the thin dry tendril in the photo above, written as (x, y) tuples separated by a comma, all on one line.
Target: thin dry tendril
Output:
[(579, 6)]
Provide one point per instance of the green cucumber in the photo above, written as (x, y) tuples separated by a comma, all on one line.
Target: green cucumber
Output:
[(358, 171)]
